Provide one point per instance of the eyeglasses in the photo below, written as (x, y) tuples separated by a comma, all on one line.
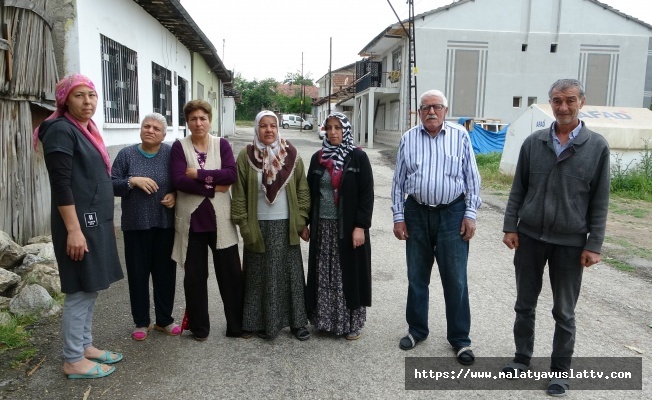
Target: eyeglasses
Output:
[(437, 107)]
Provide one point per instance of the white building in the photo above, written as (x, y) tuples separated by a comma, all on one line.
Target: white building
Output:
[(494, 58), (335, 92), (139, 54)]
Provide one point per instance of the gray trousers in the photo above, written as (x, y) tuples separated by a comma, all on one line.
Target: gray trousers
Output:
[(565, 270), (76, 324)]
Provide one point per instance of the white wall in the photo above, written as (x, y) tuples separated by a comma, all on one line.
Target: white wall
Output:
[(228, 116), (127, 23)]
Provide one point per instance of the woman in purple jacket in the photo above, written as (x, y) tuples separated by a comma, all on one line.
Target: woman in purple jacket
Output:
[(202, 169)]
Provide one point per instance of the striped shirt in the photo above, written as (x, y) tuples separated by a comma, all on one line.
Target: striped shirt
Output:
[(436, 170)]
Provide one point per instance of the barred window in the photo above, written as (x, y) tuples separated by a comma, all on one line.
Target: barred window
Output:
[(182, 93), (162, 91), (119, 82)]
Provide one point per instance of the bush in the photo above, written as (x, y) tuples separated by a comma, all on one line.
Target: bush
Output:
[(633, 181)]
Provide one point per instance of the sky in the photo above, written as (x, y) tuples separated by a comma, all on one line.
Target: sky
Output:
[(262, 39)]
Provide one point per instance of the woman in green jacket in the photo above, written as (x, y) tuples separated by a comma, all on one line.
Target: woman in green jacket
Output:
[(270, 204)]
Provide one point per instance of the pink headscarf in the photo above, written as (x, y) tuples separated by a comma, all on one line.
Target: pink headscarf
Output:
[(63, 89)]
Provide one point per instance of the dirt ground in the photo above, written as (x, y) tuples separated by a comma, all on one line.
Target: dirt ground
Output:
[(611, 300)]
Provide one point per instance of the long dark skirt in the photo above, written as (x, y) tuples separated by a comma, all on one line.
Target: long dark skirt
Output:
[(274, 282), (331, 313)]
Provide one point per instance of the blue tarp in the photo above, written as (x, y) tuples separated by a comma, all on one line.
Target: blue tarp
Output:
[(485, 141)]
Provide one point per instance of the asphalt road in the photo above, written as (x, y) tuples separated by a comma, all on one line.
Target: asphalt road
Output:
[(613, 319)]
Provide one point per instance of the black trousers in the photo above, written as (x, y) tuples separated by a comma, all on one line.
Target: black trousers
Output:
[(230, 279), (147, 252)]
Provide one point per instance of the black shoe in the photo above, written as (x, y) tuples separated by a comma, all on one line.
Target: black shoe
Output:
[(464, 355), (301, 333), (263, 335), (408, 342)]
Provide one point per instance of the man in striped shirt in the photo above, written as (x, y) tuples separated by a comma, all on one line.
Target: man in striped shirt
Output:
[(435, 197)]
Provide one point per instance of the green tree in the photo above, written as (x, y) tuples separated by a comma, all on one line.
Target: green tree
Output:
[(261, 95), (297, 79), (256, 96)]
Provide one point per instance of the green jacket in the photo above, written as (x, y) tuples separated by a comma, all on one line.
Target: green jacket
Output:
[(244, 203)]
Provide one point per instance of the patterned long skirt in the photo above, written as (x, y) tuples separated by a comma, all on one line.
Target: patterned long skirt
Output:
[(274, 282), (331, 313)]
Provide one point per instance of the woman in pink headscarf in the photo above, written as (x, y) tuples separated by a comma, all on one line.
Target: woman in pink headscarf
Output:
[(82, 221)]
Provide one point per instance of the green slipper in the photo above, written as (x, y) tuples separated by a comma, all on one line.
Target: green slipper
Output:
[(95, 372), (107, 358)]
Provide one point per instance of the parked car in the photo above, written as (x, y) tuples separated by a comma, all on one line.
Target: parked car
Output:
[(294, 121), (321, 131)]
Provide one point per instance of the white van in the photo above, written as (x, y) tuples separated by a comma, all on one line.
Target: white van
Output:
[(294, 121)]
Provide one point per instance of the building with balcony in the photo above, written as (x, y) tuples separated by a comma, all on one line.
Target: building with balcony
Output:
[(494, 58)]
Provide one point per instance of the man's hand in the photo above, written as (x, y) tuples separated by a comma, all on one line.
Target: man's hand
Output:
[(467, 230), (400, 230), (511, 240), (589, 258), (148, 185)]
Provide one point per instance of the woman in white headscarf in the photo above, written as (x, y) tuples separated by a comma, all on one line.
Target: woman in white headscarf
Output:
[(270, 205)]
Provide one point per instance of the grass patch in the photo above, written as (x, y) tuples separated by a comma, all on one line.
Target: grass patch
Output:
[(619, 265), (624, 206), (24, 357), (631, 250), (492, 178), (244, 123), (627, 182), (14, 335)]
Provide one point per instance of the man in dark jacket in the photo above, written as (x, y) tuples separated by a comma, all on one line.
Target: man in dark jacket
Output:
[(556, 213)]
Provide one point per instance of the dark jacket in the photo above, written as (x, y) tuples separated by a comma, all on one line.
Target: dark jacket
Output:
[(92, 190), (563, 199), (355, 207)]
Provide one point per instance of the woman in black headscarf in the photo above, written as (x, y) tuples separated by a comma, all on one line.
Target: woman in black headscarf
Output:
[(339, 267)]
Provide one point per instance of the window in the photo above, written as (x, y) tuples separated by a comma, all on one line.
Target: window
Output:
[(200, 91), (119, 82), (396, 59), (181, 93), (162, 92), (516, 102), (531, 100)]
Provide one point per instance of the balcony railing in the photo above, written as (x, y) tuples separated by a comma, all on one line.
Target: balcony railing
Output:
[(391, 79)]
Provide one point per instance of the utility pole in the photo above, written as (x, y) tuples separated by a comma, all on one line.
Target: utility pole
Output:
[(330, 77), (302, 94)]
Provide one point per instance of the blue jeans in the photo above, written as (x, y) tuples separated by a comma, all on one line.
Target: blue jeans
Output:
[(434, 234), (565, 273)]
